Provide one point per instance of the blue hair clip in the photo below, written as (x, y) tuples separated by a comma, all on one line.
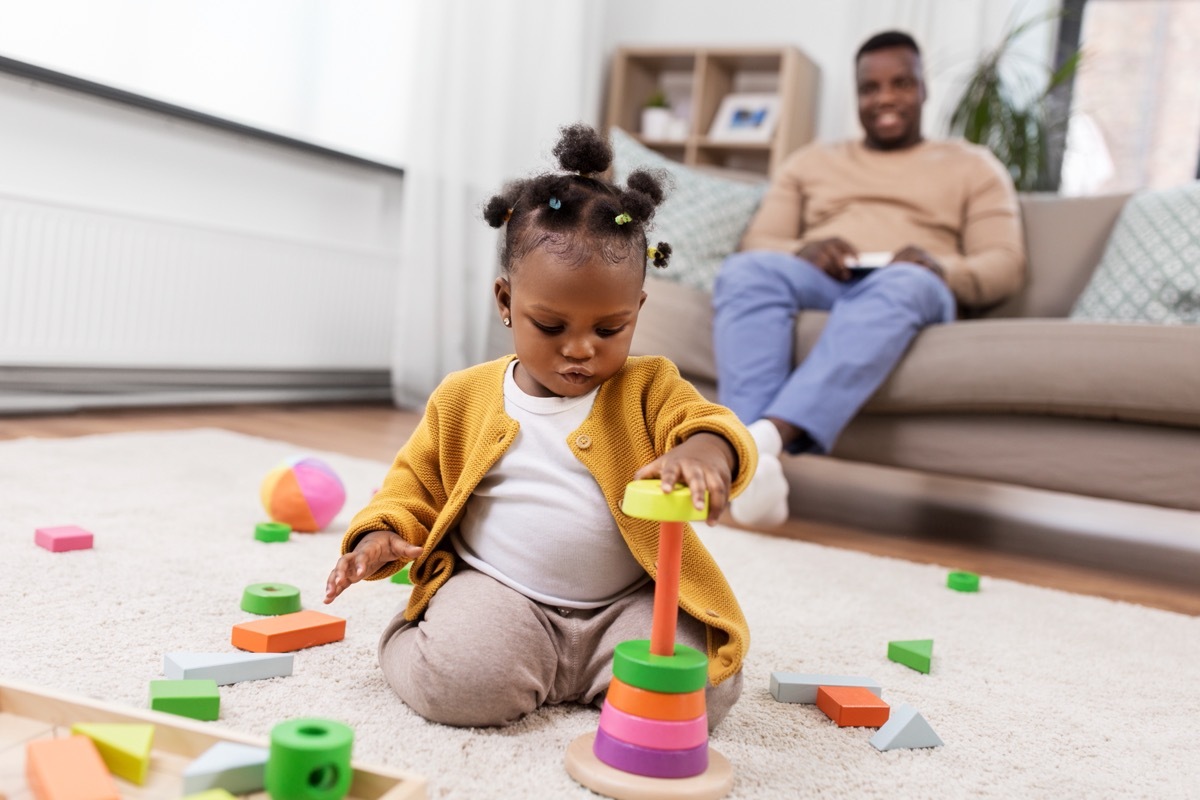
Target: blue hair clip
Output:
[(555, 203)]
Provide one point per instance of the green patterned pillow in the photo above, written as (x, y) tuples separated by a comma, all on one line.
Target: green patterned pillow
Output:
[(702, 218), (1150, 271)]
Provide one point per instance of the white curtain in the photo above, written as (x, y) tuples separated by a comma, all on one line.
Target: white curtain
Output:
[(493, 82)]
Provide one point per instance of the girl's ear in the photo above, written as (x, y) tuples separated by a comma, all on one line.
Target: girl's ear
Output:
[(503, 292)]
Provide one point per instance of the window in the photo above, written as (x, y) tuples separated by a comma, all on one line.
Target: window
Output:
[(1135, 102), (326, 72)]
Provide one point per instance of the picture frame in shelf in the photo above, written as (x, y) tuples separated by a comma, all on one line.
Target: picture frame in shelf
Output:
[(745, 117)]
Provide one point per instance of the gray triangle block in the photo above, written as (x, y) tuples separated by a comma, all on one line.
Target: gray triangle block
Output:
[(236, 768), (226, 668), (797, 687), (905, 729)]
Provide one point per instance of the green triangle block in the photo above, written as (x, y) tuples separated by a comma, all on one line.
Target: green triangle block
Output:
[(916, 654), (124, 747)]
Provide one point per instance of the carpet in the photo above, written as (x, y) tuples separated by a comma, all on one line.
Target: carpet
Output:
[(1036, 693)]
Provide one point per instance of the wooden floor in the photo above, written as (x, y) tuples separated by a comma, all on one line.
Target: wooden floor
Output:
[(377, 431)]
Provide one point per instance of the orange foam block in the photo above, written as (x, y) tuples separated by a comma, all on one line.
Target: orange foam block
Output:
[(68, 769), (852, 706), (288, 632)]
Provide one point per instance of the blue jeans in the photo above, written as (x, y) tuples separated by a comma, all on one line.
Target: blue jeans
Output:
[(872, 320)]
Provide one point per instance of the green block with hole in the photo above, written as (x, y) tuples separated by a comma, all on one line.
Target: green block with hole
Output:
[(915, 654), (198, 699), (402, 575)]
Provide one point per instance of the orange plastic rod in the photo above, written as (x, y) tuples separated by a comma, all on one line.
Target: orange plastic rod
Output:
[(666, 589)]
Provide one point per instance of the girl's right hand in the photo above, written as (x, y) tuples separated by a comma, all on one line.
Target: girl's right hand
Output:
[(373, 551)]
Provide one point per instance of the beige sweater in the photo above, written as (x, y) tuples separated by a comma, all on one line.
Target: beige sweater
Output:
[(640, 413), (951, 198)]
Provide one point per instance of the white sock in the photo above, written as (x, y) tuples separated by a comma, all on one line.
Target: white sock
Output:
[(764, 501)]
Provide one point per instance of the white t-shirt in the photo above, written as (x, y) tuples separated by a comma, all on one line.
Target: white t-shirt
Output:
[(538, 522)]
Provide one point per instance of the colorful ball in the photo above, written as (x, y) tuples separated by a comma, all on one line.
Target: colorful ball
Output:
[(304, 492)]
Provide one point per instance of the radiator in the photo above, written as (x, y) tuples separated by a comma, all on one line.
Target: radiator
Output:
[(91, 288), (98, 293)]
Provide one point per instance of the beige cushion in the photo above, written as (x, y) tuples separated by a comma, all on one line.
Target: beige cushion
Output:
[(1100, 370), (1128, 372), (1064, 239)]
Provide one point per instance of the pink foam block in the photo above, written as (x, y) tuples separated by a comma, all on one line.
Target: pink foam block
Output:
[(64, 537)]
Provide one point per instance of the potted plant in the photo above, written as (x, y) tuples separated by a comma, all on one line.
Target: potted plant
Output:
[(656, 116), (1016, 122)]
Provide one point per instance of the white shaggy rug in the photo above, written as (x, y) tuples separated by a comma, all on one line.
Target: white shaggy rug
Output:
[(1036, 693)]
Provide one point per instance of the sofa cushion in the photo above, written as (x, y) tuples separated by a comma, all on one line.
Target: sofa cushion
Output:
[(1151, 267), (1123, 371), (1059, 266), (702, 218), (1128, 372)]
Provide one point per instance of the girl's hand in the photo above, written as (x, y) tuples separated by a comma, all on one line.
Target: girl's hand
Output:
[(373, 551), (703, 463)]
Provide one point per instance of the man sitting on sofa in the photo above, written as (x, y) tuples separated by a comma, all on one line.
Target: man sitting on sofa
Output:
[(941, 215)]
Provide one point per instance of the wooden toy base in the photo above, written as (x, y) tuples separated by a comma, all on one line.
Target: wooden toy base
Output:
[(584, 767), (27, 713)]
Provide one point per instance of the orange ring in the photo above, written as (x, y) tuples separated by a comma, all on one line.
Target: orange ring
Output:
[(655, 705)]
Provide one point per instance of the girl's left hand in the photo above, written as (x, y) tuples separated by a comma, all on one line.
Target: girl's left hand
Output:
[(703, 463)]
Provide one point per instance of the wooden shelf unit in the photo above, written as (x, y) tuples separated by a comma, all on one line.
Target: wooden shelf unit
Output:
[(699, 78)]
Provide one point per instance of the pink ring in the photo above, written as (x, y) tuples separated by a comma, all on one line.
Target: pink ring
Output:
[(654, 733)]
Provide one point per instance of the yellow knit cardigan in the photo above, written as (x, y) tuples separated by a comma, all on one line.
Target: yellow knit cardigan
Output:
[(639, 413)]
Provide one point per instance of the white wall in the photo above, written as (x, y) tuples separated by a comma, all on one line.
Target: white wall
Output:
[(951, 34), (131, 240)]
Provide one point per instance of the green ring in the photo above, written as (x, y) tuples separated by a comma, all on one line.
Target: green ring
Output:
[(646, 500), (272, 531), (402, 575), (270, 599), (962, 581), (309, 760), (634, 664)]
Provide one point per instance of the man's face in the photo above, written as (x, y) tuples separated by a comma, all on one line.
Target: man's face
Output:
[(891, 90)]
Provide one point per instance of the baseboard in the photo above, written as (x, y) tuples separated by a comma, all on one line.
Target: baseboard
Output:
[(26, 390), (1121, 536)]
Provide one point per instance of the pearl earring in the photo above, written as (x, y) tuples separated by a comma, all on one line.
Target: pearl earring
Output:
[(507, 322)]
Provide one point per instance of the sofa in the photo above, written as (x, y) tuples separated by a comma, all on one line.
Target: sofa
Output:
[(1021, 396)]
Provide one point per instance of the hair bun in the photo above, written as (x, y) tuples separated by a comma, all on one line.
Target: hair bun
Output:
[(581, 149)]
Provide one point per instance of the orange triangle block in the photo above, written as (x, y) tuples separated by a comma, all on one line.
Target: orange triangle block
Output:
[(125, 747)]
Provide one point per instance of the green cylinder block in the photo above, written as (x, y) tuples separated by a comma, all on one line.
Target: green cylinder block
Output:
[(272, 531), (962, 581), (685, 671), (271, 599), (309, 760)]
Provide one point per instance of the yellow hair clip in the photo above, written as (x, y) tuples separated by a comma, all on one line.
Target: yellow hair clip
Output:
[(651, 253), (622, 218)]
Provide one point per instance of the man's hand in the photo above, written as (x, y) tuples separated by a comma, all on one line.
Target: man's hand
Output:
[(830, 256), (703, 463), (915, 255), (373, 551)]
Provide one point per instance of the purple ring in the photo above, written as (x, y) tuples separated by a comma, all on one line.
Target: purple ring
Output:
[(649, 762)]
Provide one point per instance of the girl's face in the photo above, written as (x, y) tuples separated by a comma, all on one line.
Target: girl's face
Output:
[(572, 325)]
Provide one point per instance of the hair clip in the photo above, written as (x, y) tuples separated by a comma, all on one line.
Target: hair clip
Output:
[(651, 253), (623, 218), (508, 215), (555, 203)]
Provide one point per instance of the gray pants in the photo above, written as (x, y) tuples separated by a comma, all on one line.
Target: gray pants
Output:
[(484, 654)]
